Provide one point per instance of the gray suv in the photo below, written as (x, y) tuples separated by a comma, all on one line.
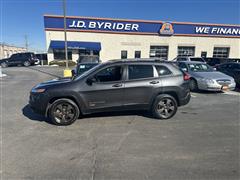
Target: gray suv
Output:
[(117, 85)]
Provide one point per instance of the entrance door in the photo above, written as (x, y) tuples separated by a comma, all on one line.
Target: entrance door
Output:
[(86, 55)]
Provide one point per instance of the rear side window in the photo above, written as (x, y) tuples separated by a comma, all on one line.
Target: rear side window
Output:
[(140, 71), (197, 59), (162, 70)]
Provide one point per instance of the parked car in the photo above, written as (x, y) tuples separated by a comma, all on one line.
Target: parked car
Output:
[(212, 61), (188, 58), (232, 69), (114, 86), (25, 59), (204, 77)]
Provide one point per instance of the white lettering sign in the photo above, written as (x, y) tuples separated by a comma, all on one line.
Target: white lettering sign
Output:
[(104, 25), (217, 30)]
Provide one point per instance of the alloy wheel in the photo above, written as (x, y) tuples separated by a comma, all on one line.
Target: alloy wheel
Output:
[(64, 113), (166, 107)]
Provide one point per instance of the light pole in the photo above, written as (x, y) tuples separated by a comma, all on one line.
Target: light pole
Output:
[(67, 72)]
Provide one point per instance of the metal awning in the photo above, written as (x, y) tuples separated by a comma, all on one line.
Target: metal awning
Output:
[(76, 45)]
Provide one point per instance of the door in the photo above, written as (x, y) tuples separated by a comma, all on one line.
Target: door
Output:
[(139, 85), (13, 60), (104, 89)]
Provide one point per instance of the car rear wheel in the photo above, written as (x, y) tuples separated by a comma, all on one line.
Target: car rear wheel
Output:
[(164, 107), (64, 112), (193, 85), (26, 63), (4, 65)]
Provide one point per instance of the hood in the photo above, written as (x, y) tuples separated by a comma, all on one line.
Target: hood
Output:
[(2, 60), (54, 82), (212, 75)]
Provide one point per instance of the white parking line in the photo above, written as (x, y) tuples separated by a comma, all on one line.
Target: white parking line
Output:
[(193, 95), (232, 93)]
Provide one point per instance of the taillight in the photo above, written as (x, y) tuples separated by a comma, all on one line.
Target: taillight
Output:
[(186, 76)]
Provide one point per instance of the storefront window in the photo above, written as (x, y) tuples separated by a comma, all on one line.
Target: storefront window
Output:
[(123, 54), (221, 52), (159, 52), (186, 50), (137, 54), (59, 54)]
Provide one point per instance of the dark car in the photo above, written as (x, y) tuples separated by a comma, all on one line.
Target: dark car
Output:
[(231, 69), (118, 85), (25, 59), (212, 61)]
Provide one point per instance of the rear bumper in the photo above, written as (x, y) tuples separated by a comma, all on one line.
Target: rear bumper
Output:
[(185, 100)]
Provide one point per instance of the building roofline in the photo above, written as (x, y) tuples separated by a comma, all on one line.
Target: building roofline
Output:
[(11, 45), (140, 20)]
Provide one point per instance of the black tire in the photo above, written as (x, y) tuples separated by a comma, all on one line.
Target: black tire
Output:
[(26, 63), (4, 65), (63, 112), (164, 107), (193, 85)]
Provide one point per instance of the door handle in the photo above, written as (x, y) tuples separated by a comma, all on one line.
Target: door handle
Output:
[(117, 85), (154, 82)]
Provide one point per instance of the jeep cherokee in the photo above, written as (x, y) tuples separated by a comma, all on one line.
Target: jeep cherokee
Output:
[(145, 84)]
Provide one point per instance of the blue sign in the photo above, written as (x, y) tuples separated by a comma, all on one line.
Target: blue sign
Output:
[(140, 27)]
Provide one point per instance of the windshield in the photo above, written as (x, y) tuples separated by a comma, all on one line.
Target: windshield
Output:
[(84, 67), (199, 68), (86, 72)]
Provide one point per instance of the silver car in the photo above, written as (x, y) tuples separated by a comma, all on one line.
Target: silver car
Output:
[(204, 77)]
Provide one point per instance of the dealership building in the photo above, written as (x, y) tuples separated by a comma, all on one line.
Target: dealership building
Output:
[(105, 38)]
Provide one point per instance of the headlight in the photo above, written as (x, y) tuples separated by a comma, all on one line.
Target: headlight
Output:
[(38, 90), (208, 81)]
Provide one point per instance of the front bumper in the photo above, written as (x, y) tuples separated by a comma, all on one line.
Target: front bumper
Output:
[(216, 87), (38, 103)]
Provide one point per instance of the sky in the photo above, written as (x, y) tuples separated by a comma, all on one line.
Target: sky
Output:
[(20, 18)]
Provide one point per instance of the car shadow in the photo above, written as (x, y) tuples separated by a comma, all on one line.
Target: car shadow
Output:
[(145, 114), (28, 112)]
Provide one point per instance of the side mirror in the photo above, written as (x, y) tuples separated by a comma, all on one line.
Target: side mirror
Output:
[(73, 72), (91, 80), (184, 69)]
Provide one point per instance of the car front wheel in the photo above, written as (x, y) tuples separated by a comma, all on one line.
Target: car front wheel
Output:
[(64, 112), (26, 63), (164, 107), (4, 65), (193, 85)]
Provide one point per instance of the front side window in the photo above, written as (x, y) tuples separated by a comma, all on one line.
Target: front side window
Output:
[(140, 71), (109, 74), (163, 71)]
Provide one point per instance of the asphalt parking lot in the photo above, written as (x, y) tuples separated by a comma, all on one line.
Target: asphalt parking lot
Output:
[(200, 142)]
